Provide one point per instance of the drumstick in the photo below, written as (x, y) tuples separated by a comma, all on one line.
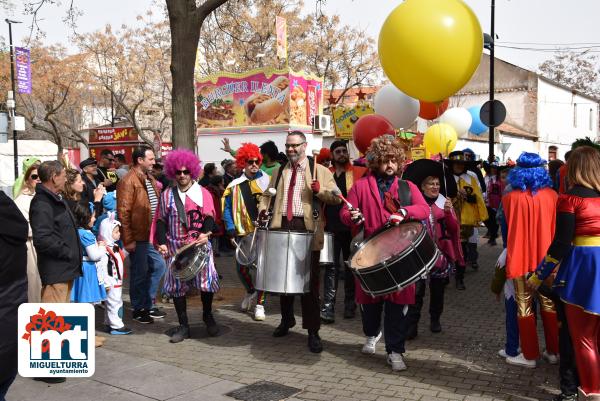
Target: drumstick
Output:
[(315, 154), (336, 192), (239, 247)]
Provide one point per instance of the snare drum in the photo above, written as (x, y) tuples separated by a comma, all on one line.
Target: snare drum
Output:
[(190, 260), (283, 263), (393, 258), (326, 255)]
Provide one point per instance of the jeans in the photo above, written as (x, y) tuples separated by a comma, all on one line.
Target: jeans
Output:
[(147, 268), (395, 324), (512, 328)]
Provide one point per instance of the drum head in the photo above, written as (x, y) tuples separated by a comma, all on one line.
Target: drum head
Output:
[(385, 244), (191, 257), (247, 251)]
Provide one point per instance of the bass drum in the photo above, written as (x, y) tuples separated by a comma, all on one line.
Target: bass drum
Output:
[(283, 263), (326, 254), (393, 258)]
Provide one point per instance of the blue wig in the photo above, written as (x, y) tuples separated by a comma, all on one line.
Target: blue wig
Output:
[(530, 173)]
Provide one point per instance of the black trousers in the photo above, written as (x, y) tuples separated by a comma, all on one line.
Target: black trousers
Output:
[(437, 287), (341, 245), (395, 324), (311, 319), (491, 223)]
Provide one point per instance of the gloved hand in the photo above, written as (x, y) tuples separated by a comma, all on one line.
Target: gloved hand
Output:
[(315, 186), (356, 216), (231, 233), (398, 217), (471, 199), (263, 216)]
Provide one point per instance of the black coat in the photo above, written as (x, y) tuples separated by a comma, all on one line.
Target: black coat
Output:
[(13, 280), (55, 238)]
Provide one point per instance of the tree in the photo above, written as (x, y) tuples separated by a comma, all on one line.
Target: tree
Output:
[(234, 34), (54, 107), (132, 66), (185, 21), (575, 70)]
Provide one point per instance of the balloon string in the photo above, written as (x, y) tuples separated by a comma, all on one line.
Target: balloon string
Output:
[(444, 174)]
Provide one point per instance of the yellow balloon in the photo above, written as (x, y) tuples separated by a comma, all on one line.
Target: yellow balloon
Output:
[(429, 49), (440, 138)]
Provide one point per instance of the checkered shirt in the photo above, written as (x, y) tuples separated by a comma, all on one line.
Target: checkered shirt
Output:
[(298, 188)]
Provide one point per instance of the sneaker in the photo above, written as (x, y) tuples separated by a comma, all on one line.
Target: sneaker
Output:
[(396, 361), (565, 397), (247, 302), (120, 331), (259, 313), (143, 317), (502, 353), (181, 333), (552, 359), (520, 360), (157, 313), (369, 347)]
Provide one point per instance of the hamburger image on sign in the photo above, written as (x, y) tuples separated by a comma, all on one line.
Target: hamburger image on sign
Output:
[(214, 109)]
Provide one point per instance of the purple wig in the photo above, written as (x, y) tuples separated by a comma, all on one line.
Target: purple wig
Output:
[(179, 158)]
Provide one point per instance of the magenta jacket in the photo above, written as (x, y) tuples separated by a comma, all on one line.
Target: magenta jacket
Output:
[(448, 242), (364, 195)]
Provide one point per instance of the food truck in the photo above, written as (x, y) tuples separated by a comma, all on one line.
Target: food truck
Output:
[(256, 106)]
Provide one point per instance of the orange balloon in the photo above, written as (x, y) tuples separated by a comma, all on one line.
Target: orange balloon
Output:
[(430, 111)]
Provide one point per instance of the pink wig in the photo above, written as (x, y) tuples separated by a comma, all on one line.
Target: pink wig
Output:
[(248, 151), (179, 158)]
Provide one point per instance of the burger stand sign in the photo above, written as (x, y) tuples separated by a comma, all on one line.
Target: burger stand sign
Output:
[(118, 139), (255, 106)]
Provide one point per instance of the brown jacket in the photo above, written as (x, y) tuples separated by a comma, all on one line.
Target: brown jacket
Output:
[(327, 184), (133, 206)]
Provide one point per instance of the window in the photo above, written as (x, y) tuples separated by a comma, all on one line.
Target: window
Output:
[(575, 115), (591, 120), (552, 152)]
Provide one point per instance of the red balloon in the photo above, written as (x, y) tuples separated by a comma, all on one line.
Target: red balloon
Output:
[(430, 111), (369, 127)]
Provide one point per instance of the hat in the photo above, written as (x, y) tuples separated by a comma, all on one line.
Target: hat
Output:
[(417, 171), (227, 162), (338, 144), (87, 162)]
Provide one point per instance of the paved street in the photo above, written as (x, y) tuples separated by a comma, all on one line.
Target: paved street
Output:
[(461, 363)]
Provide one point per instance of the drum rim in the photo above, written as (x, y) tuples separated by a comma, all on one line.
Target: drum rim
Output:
[(390, 260), (413, 279), (284, 230)]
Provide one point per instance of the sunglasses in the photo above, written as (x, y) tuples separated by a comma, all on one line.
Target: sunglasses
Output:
[(34, 176), (182, 172), (294, 145), (251, 162)]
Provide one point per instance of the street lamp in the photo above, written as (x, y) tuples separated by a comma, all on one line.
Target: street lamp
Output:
[(11, 101)]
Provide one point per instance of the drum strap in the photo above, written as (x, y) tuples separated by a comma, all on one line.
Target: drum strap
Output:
[(404, 194), (180, 208), (249, 200)]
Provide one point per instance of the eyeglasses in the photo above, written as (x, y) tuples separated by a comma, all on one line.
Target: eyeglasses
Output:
[(182, 172), (293, 145), (34, 176), (251, 162)]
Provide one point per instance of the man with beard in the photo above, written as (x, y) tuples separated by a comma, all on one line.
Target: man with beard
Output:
[(186, 216), (296, 206), (384, 198), (106, 170), (240, 211), (345, 175)]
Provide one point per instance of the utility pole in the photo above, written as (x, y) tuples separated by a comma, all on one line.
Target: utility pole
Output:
[(492, 129), (14, 93)]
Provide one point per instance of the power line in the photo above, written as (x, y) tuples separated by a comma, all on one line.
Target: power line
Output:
[(548, 44), (590, 49)]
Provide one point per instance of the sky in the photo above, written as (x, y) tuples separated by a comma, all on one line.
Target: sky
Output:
[(519, 23)]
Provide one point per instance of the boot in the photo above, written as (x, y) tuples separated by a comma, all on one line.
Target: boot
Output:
[(435, 326), (460, 275), (181, 333), (473, 255), (528, 337), (349, 310), (328, 313), (412, 332), (550, 331), (329, 292), (211, 326)]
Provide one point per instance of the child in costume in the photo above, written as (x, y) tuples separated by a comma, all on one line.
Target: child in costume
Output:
[(113, 316)]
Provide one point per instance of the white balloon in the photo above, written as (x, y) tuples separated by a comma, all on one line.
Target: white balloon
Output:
[(459, 118), (400, 109)]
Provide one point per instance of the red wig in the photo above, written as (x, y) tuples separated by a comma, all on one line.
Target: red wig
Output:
[(179, 158), (248, 151)]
